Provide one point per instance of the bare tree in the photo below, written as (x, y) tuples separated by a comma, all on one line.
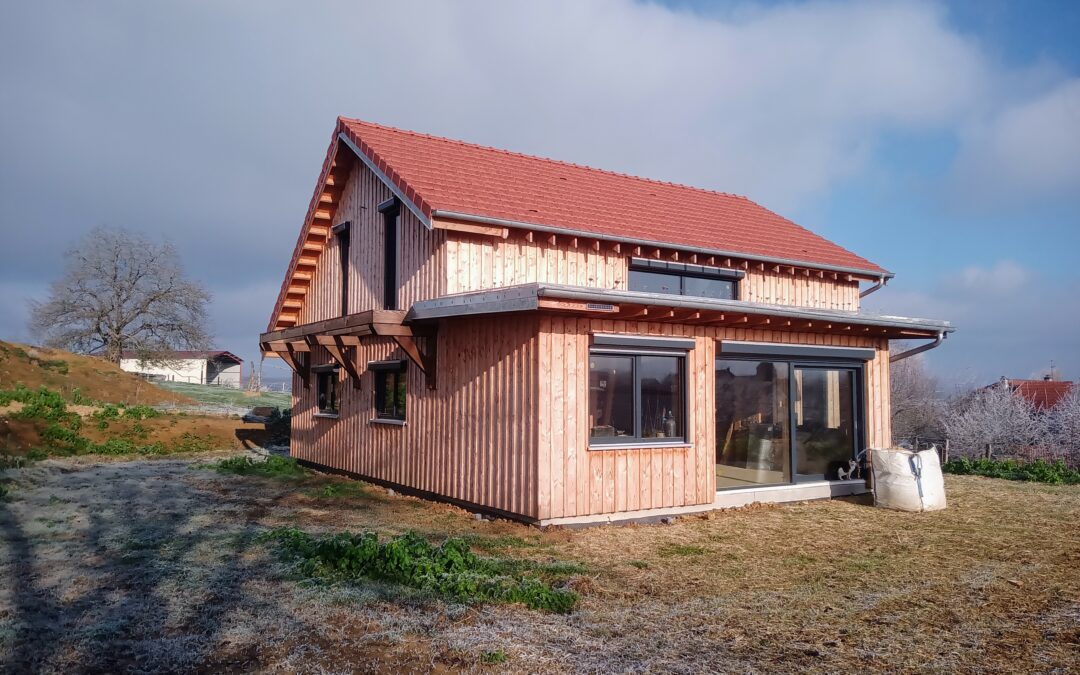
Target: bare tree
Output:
[(1064, 423), (122, 292), (916, 406), (996, 418)]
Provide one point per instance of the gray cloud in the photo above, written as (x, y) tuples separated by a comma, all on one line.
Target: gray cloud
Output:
[(206, 121)]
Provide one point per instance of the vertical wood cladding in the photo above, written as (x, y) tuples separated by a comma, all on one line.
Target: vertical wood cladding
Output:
[(419, 264), (478, 263), (473, 438), (578, 481)]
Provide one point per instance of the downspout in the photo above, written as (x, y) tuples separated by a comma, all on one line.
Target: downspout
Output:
[(877, 286), (918, 350)]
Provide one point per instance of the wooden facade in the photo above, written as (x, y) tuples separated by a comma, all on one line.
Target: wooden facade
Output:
[(497, 413)]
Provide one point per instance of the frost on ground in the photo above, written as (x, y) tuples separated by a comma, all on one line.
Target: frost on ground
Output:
[(157, 565)]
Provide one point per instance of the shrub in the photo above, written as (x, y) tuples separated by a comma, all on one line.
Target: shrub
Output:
[(273, 466), (450, 569), (141, 412), (1039, 471)]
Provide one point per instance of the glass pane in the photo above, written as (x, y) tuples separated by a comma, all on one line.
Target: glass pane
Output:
[(824, 421), (722, 289), (661, 396), (384, 393), (400, 391), (611, 396), (752, 419), (653, 282)]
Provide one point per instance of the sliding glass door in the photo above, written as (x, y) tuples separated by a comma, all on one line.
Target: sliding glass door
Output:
[(825, 422), (753, 446), (780, 422)]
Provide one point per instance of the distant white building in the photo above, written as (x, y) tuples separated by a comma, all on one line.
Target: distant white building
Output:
[(220, 368)]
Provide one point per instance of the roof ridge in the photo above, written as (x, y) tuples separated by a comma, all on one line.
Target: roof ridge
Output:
[(550, 160)]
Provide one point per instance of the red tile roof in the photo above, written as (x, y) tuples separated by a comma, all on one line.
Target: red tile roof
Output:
[(1043, 394), (447, 175)]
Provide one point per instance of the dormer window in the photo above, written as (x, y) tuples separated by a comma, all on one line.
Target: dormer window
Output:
[(668, 278)]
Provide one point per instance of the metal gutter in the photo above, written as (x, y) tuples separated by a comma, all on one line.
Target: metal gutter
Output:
[(876, 287), (501, 222), (918, 350), (526, 297), (385, 179)]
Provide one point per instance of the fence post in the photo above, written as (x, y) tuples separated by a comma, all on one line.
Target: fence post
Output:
[(946, 451), (989, 450)]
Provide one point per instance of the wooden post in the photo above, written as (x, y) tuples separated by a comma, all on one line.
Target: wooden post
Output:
[(945, 452)]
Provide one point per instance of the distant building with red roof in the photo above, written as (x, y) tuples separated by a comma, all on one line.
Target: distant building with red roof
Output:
[(1044, 394)]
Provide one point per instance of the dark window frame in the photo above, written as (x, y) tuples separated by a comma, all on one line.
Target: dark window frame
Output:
[(683, 271), (342, 232), (398, 371), (637, 440), (327, 376), (391, 210), (858, 391)]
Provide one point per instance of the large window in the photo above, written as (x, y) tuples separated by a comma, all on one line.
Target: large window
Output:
[(636, 397), (326, 389), (390, 384), (655, 276), (782, 421)]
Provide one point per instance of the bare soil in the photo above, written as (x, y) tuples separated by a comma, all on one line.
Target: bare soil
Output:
[(154, 566), (65, 372)]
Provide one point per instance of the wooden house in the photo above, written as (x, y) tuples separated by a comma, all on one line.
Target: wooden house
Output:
[(565, 345)]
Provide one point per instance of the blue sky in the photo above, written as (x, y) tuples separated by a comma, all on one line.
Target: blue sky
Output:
[(941, 140)]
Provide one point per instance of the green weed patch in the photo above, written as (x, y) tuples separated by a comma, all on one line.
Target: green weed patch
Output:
[(450, 569), (1039, 471), (273, 466)]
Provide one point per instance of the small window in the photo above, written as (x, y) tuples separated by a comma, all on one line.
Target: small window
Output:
[(326, 388), (636, 397), (656, 276), (342, 232), (390, 385)]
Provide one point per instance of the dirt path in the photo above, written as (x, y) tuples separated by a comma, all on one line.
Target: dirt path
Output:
[(156, 566)]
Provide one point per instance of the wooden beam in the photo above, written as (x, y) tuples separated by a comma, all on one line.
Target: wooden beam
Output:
[(577, 306), (471, 228), (636, 314), (337, 351), (425, 360), (297, 361), (323, 214)]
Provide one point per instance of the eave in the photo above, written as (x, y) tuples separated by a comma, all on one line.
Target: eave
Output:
[(656, 307)]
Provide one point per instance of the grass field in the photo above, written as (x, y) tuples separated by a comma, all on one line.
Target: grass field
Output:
[(161, 566), (229, 397)]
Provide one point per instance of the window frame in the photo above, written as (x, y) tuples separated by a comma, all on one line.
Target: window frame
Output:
[(682, 271), (398, 369), (803, 361), (327, 373), (342, 232), (635, 352), (391, 211)]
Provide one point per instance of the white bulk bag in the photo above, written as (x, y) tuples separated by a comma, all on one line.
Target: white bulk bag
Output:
[(908, 480)]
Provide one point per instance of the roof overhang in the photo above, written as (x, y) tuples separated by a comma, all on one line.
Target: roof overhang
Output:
[(657, 307)]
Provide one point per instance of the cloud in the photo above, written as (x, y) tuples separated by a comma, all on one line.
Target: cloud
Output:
[(1027, 150), (1010, 321), (207, 120)]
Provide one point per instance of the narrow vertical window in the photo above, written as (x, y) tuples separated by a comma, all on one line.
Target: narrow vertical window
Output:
[(341, 231), (326, 390), (390, 213)]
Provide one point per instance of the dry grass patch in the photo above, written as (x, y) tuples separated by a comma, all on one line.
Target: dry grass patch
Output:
[(155, 564)]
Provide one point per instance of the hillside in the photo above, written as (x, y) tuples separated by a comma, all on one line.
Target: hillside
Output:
[(66, 373)]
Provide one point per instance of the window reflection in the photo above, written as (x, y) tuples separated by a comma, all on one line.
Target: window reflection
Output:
[(824, 421), (752, 442)]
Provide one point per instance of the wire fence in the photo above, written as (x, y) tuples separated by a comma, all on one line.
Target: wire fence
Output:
[(1025, 454)]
